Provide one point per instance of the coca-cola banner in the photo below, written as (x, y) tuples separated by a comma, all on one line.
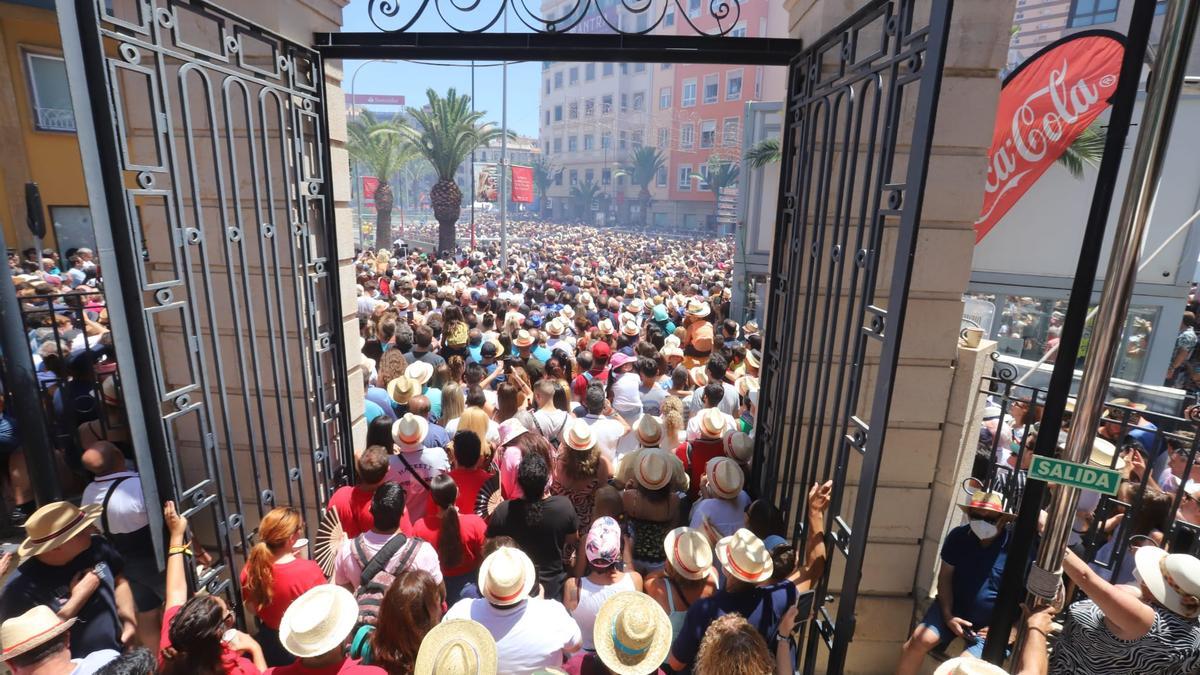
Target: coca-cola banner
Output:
[(1045, 104)]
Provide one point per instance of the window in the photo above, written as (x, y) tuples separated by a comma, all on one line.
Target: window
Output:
[(606, 176), (547, 118), (589, 72), (1092, 12), (666, 66), (664, 98), (589, 176), (621, 136), (606, 69), (547, 85), (637, 139), (574, 78), (573, 110), (606, 104), (558, 145), (670, 17), (688, 99), (572, 143), (758, 79), (558, 178), (605, 140), (589, 107), (738, 31), (660, 177), (558, 80), (589, 142), (547, 149), (639, 101), (49, 93), (685, 177), (664, 138), (712, 85), (693, 8), (624, 102), (621, 180), (624, 68), (639, 67), (729, 133), (708, 133), (574, 178), (687, 136), (733, 85)]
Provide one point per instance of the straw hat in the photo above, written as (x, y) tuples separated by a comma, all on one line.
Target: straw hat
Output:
[(725, 478), (457, 647), (31, 630), (554, 328), (669, 351), (653, 472), (689, 552), (506, 576), (630, 329), (403, 388), (697, 307), (523, 339), (400, 303), (744, 557), (578, 436), (419, 371), (567, 312), (753, 359), (968, 665), (605, 327), (985, 501), (713, 423), (1172, 578), (740, 447), (53, 525), (1103, 452), (319, 621), (699, 375), (648, 430), (632, 634), (636, 306), (510, 429), (409, 431), (1126, 403), (672, 341)]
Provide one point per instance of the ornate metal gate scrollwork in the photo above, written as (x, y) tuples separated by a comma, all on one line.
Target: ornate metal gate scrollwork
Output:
[(476, 16), (213, 139), (859, 98)]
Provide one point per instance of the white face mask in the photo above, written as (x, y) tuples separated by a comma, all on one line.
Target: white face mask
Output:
[(983, 529)]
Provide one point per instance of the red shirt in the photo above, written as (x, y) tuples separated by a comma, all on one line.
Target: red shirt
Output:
[(347, 667), (234, 663), (472, 531), (353, 506), (702, 451), (469, 482), (289, 581)]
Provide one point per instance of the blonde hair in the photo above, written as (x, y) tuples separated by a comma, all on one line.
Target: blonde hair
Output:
[(453, 402), (476, 420), (731, 646), (672, 421)]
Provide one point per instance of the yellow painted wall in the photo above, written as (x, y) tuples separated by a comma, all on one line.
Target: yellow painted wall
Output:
[(51, 159)]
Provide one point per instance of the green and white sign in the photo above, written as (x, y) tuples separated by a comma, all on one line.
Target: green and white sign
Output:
[(1082, 476)]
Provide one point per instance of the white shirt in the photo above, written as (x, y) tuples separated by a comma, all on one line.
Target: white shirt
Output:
[(608, 433), (725, 515), (693, 426), (347, 569), (429, 462), (127, 508), (627, 395), (94, 661), (567, 346), (529, 636)]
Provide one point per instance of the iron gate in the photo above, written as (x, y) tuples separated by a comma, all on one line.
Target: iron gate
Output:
[(214, 145), (847, 220)]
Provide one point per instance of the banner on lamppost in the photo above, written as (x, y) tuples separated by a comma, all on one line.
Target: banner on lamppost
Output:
[(369, 185), (522, 183), (1045, 104), (486, 182)]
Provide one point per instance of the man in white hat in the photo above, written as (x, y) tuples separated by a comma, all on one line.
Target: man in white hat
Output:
[(530, 633), (315, 629), (414, 465), (36, 643), (723, 509)]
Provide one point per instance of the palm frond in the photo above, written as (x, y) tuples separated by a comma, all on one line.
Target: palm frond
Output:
[(763, 153), (1087, 149)]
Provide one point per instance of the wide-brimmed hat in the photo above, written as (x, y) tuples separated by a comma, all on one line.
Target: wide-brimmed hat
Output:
[(402, 389), (1126, 403), (688, 552), (630, 329), (410, 431), (632, 634), (506, 576), (578, 436), (567, 312), (419, 371), (698, 307), (603, 545), (713, 423), (648, 431), (620, 359), (744, 557), (457, 647), (319, 621), (669, 351), (30, 630), (1103, 452), (699, 375), (672, 341), (739, 446), (554, 328), (400, 302), (1172, 578), (725, 477), (510, 429), (523, 339), (968, 665), (54, 524), (753, 358), (746, 384), (636, 305), (605, 327), (653, 472), (985, 500), (751, 328)]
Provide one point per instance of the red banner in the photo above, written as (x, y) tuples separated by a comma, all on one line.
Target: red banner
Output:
[(1044, 105), (369, 185), (522, 184)]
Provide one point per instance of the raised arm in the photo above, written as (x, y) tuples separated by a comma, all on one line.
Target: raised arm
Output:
[(1126, 615), (177, 592)]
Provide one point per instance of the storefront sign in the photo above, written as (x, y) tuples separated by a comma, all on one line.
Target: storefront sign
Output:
[(1045, 104), (522, 183), (1082, 476)]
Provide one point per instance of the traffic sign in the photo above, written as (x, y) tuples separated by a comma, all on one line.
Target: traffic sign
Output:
[(1082, 476)]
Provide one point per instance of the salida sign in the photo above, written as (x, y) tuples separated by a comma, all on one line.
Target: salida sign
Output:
[(1082, 476), (1044, 105)]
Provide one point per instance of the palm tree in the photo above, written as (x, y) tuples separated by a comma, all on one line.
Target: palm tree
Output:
[(763, 153), (543, 177), (446, 132), (582, 196), (641, 170), (378, 145), (722, 174)]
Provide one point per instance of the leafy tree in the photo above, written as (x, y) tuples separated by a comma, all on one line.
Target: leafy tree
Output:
[(543, 177), (582, 196), (722, 174), (641, 170), (378, 145)]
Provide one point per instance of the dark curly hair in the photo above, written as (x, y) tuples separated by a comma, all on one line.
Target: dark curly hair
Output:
[(195, 635)]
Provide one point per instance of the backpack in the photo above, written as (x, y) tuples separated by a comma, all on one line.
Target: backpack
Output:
[(376, 577)]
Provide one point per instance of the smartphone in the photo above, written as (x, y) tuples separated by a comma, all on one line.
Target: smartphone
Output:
[(805, 602), (5, 549)]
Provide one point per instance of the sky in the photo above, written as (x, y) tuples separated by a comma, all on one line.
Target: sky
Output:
[(411, 80)]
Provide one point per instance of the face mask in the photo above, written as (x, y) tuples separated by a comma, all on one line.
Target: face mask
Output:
[(983, 529)]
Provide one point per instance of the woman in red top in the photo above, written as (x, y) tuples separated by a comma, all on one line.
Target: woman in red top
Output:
[(458, 537), (468, 453), (197, 634), (274, 576)]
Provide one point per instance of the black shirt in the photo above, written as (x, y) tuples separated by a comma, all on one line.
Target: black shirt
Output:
[(36, 583), (542, 542)]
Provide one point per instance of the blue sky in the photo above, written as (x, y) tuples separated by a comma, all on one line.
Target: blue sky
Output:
[(411, 80)]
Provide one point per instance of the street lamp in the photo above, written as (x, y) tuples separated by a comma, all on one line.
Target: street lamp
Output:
[(354, 111)]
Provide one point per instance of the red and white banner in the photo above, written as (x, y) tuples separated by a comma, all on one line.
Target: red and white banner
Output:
[(1044, 105), (369, 185), (522, 183)]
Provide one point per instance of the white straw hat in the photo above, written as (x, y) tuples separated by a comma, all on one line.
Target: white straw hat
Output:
[(1172, 578), (506, 576), (578, 436), (688, 552), (457, 647), (968, 665), (319, 621), (744, 557), (713, 423), (648, 431), (653, 472), (419, 371), (31, 630), (409, 431), (632, 634), (740, 446), (725, 477)]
